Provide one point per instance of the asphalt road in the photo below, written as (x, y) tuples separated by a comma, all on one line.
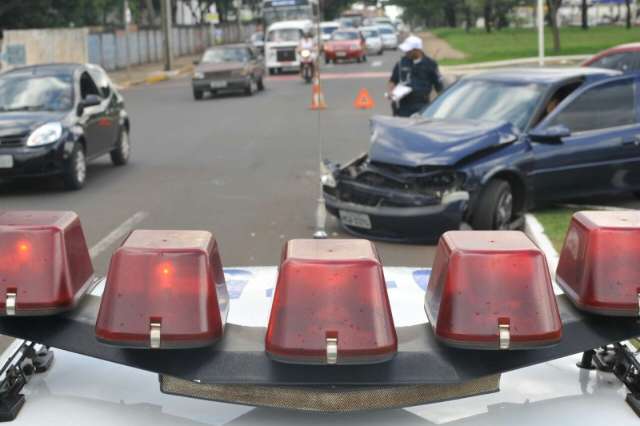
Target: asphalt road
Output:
[(245, 168)]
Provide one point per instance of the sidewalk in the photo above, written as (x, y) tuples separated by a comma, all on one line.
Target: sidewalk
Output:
[(152, 72)]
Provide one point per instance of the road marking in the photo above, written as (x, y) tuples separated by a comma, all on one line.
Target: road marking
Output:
[(376, 64), (117, 233), (336, 76), (534, 229)]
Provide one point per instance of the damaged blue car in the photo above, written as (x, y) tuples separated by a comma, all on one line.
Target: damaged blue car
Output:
[(487, 150)]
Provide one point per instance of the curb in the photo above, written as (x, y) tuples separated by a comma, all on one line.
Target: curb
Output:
[(548, 60), (156, 77)]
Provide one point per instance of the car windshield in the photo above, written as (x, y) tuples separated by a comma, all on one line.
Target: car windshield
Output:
[(488, 100), (216, 56), (385, 30), (329, 30), (370, 33), (344, 35), (285, 35), (26, 92)]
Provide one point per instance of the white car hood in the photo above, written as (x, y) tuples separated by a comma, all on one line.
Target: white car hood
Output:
[(79, 390)]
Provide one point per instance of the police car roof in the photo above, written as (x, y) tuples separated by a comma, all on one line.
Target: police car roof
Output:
[(544, 75)]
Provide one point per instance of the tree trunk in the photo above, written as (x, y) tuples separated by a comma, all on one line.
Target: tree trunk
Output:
[(488, 15), (585, 15), (628, 3), (553, 6), (450, 14), (151, 13), (467, 18)]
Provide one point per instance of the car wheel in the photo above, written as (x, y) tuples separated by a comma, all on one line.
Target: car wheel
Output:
[(364, 58), (359, 59), (494, 209), (637, 194), (327, 61), (197, 94), (120, 155), (250, 89), (75, 173), (272, 71), (261, 84)]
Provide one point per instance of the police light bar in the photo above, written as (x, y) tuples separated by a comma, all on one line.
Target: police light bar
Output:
[(491, 290), (164, 289), (599, 266), (45, 267), (330, 305)]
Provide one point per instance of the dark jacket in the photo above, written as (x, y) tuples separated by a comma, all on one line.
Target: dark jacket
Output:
[(422, 76)]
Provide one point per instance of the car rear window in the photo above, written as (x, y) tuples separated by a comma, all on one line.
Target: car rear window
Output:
[(344, 35)]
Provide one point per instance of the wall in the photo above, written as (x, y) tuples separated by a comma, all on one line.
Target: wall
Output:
[(27, 47)]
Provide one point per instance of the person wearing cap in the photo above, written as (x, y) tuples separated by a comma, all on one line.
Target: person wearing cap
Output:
[(418, 72)]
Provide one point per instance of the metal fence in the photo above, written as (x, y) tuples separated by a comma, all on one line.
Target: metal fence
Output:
[(115, 49)]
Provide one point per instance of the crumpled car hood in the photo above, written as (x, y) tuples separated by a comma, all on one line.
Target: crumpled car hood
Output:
[(416, 142)]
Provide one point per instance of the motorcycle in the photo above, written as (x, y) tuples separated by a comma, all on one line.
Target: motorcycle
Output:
[(306, 65)]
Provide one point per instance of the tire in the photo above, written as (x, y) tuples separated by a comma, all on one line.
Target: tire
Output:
[(250, 89), (494, 208), (359, 59), (261, 84), (272, 71), (197, 94), (327, 61), (75, 173), (120, 155), (637, 194), (364, 58)]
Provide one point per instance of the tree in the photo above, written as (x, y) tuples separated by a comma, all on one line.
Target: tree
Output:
[(488, 15), (585, 14), (628, 4), (553, 6)]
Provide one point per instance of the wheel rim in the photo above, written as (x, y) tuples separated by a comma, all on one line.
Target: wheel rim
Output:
[(125, 147), (80, 167), (504, 210)]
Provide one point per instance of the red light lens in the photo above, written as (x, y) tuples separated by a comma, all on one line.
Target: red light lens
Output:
[(491, 290), (164, 289), (45, 265), (330, 305), (599, 266)]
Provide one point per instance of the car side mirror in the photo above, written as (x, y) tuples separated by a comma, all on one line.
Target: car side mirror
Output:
[(552, 135), (88, 101)]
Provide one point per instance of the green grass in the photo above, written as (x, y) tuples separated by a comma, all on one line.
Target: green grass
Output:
[(512, 43), (556, 223)]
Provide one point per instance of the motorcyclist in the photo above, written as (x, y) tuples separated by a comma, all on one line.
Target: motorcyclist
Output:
[(307, 42), (419, 73)]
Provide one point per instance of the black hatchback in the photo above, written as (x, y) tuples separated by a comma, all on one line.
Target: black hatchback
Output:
[(55, 118)]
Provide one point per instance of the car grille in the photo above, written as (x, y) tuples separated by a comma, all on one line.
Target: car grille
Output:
[(288, 55), (218, 75), (15, 140)]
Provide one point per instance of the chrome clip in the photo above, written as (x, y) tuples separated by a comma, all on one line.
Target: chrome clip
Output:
[(505, 336), (154, 335), (332, 350), (10, 304)]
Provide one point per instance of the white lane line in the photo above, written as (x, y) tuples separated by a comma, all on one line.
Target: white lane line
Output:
[(534, 229), (117, 233), (376, 64)]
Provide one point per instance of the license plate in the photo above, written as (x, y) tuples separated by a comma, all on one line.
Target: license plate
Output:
[(341, 54), (6, 161), (218, 84), (357, 220)]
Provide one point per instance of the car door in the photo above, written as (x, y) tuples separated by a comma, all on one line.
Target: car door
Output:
[(602, 153), (111, 120), (94, 119)]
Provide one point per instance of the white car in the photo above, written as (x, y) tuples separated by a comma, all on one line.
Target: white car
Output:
[(281, 44), (373, 40), (389, 36), (327, 28)]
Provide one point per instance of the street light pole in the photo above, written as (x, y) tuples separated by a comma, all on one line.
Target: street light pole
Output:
[(541, 33), (125, 16), (167, 34)]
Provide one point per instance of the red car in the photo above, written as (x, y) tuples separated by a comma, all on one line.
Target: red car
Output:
[(625, 58), (345, 45)]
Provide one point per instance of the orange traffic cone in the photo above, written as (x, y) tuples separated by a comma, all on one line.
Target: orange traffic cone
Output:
[(317, 98), (363, 100)]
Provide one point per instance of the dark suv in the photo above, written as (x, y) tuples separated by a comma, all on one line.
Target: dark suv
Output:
[(54, 118)]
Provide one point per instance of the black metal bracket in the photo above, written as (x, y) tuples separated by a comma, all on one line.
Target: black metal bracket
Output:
[(27, 360), (621, 361)]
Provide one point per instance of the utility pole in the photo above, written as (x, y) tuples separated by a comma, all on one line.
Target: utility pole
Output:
[(541, 33), (167, 34), (125, 20)]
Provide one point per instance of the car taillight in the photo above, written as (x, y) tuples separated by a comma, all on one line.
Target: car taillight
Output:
[(45, 267), (599, 266), (491, 290), (164, 289), (330, 305)]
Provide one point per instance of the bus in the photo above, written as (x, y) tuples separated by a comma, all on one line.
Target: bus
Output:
[(289, 10)]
